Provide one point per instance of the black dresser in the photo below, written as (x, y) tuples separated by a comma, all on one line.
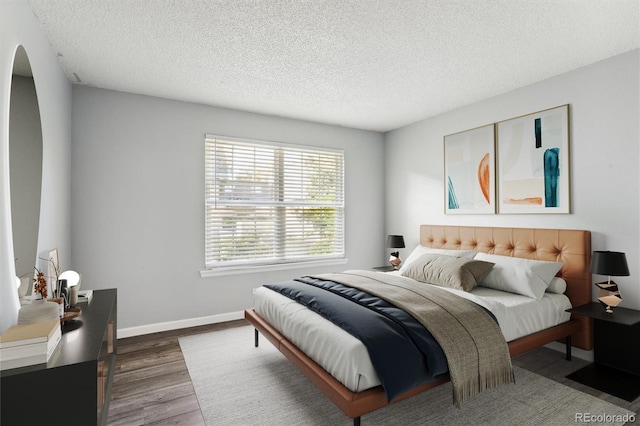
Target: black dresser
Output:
[(74, 387)]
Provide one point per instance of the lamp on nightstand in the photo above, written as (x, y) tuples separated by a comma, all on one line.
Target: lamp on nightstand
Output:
[(395, 242), (610, 263)]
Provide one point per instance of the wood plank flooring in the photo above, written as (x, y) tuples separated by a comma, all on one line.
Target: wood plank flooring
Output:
[(152, 385)]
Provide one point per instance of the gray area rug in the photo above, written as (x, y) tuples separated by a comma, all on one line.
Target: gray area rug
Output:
[(238, 384)]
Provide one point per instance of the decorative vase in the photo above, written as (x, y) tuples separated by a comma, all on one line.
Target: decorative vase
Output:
[(73, 295), (37, 311)]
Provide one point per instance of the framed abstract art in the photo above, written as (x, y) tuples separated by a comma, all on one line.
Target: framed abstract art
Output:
[(469, 168), (533, 162)]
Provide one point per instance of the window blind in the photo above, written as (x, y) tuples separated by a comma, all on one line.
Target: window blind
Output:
[(269, 203)]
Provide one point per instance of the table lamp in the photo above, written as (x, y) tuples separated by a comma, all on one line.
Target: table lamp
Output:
[(395, 242), (73, 282), (610, 263)]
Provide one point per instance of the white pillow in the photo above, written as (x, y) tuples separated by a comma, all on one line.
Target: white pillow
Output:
[(516, 275), (557, 286), (422, 250)]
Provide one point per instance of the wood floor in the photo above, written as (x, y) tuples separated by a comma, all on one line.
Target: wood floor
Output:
[(152, 385)]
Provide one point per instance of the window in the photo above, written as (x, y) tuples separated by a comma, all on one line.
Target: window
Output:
[(270, 203)]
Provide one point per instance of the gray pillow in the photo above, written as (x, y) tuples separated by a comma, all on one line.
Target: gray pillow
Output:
[(448, 271)]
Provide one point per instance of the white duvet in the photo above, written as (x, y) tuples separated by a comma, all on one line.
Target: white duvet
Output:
[(347, 359)]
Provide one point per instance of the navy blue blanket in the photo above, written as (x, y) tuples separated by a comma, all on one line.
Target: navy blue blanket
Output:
[(402, 351)]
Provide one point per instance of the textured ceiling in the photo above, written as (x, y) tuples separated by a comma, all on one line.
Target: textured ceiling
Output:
[(374, 65)]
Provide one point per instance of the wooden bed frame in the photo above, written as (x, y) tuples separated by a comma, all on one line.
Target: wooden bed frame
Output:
[(572, 247)]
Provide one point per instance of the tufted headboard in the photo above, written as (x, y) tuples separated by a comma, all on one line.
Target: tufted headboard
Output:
[(571, 247)]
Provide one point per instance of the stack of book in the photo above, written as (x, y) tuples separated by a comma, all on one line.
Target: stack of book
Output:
[(28, 344)]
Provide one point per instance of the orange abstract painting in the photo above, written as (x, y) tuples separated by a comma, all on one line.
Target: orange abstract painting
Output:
[(470, 171)]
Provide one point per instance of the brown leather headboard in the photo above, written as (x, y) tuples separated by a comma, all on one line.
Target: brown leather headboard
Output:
[(571, 247)]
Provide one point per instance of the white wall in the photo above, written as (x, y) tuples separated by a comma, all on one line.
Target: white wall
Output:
[(138, 201), (18, 26), (605, 184)]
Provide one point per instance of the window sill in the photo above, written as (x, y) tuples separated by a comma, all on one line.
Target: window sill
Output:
[(237, 270)]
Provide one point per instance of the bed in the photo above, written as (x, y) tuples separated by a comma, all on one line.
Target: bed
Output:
[(571, 247)]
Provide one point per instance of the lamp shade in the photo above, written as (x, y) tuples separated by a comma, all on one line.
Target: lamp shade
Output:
[(395, 241), (609, 263), (72, 277)]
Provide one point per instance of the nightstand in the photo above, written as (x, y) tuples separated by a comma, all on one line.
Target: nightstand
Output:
[(386, 268), (616, 352)]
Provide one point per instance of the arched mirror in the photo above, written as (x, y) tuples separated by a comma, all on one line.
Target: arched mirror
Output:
[(25, 165)]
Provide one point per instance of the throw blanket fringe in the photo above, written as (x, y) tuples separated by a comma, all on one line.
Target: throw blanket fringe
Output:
[(476, 350), (472, 387)]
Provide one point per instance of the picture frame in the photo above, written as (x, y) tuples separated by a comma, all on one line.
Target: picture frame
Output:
[(469, 171), (533, 163)]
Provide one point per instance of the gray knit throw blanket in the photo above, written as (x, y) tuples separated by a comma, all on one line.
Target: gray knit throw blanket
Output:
[(476, 351)]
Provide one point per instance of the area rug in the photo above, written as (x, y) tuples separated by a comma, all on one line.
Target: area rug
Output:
[(239, 384)]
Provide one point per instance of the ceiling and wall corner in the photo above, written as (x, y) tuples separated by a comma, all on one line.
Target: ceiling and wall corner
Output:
[(369, 65)]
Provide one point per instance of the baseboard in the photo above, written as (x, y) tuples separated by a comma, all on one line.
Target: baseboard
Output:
[(175, 325)]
